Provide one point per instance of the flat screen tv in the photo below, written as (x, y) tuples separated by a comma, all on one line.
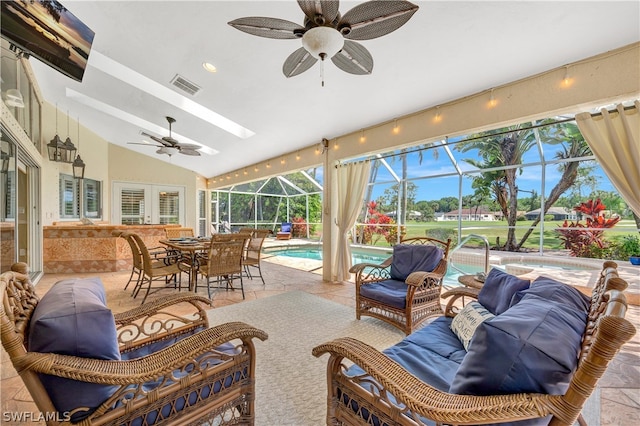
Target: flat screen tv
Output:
[(46, 30)]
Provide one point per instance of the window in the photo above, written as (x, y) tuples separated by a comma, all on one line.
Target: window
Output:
[(137, 203), (202, 213), (70, 202), (132, 202)]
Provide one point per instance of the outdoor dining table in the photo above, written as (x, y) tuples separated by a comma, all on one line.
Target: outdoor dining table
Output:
[(189, 249)]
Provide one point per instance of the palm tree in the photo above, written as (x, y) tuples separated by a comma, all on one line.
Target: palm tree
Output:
[(576, 148), (503, 152)]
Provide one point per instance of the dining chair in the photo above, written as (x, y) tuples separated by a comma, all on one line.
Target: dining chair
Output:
[(224, 265), (179, 232), (153, 271), (252, 255)]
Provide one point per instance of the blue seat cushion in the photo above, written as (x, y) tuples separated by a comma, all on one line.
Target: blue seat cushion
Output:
[(556, 291), (498, 289), (72, 319), (389, 292), (408, 258), (532, 347), (285, 227)]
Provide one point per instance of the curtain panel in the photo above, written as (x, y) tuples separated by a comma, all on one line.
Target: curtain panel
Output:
[(614, 138), (352, 179)]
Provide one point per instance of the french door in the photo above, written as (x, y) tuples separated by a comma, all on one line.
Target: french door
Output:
[(135, 204)]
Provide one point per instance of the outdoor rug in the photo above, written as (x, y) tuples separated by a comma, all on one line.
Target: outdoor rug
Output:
[(291, 384)]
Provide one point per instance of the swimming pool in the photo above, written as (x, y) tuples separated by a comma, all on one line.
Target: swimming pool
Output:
[(369, 256)]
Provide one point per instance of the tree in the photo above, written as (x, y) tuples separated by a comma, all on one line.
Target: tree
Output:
[(576, 148), (502, 155)]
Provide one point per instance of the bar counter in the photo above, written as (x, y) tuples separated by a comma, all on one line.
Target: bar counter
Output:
[(93, 248)]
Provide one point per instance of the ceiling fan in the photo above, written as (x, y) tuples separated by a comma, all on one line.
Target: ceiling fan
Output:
[(327, 34), (170, 146)]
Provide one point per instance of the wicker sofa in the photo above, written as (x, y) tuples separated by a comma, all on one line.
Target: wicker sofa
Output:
[(159, 363), (534, 358)]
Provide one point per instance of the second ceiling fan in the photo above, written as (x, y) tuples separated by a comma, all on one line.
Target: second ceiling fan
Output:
[(170, 146)]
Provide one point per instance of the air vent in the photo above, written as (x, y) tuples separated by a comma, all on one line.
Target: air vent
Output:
[(185, 85)]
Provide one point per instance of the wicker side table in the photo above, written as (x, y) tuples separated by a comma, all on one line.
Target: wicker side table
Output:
[(470, 281)]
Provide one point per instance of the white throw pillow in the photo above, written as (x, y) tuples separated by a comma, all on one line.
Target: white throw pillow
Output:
[(464, 324)]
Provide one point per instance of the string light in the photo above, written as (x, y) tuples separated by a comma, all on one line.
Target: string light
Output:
[(246, 172), (255, 169), (335, 145), (396, 129), (237, 174), (297, 156), (566, 80), (362, 138), (437, 117), (228, 177), (318, 150), (268, 165), (283, 161), (492, 100)]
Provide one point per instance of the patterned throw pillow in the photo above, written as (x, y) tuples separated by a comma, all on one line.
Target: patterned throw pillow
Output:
[(464, 324)]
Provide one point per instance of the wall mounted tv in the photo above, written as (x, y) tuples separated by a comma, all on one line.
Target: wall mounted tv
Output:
[(46, 30)]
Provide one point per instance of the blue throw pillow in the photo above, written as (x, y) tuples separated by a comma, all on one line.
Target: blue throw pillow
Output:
[(408, 258), (498, 289), (532, 347), (553, 290), (72, 319)]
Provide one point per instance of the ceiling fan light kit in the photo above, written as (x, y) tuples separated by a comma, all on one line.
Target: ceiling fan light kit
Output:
[(327, 34), (322, 42)]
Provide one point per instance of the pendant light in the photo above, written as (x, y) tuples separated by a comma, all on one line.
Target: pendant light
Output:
[(55, 147), (78, 164)]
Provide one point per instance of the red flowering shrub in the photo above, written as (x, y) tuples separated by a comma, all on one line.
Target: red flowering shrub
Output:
[(299, 227), (587, 240), (378, 225)]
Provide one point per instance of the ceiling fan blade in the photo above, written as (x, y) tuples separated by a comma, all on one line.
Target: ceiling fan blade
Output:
[(298, 62), (191, 152), (374, 19), (144, 144), (320, 12), (267, 27), (169, 141), (155, 138), (354, 58), (189, 146)]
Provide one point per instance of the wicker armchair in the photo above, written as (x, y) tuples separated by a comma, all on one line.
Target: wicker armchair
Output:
[(368, 400), (216, 386), (421, 289)]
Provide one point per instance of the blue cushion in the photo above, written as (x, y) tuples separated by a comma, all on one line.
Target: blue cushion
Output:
[(389, 292), (532, 347), (553, 290), (72, 319), (285, 227), (498, 289), (408, 258)]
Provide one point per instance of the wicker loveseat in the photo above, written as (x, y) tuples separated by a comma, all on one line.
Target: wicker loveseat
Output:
[(538, 359), (159, 363)]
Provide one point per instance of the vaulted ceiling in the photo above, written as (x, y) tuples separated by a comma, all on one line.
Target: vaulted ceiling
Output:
[(447, 50)]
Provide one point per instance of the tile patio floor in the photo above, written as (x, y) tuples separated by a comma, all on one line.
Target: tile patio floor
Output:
[(619, 388)]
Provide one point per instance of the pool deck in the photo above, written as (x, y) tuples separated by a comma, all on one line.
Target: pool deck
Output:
[(526, 265)]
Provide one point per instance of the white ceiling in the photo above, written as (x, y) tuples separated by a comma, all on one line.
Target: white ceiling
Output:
[(447, 50)]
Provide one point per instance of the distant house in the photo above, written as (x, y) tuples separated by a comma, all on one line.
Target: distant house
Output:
[(473, 213), (558, 213), (411, 214)]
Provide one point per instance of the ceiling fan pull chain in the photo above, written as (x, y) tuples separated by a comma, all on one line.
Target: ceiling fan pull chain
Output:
[(322, 72)]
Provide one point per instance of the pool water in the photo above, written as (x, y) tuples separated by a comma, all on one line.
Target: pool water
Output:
[(357, 256)]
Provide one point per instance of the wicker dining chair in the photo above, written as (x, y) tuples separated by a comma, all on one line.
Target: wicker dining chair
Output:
[(159, 258), (403, 291), (179, 232), (152, 272), (224, 265), (253, 253)]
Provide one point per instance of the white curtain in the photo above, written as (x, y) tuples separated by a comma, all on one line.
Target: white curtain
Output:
[(352, 179), (614, 139)]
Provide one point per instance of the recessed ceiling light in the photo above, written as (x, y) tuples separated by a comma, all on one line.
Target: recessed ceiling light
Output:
[(209, 67)]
